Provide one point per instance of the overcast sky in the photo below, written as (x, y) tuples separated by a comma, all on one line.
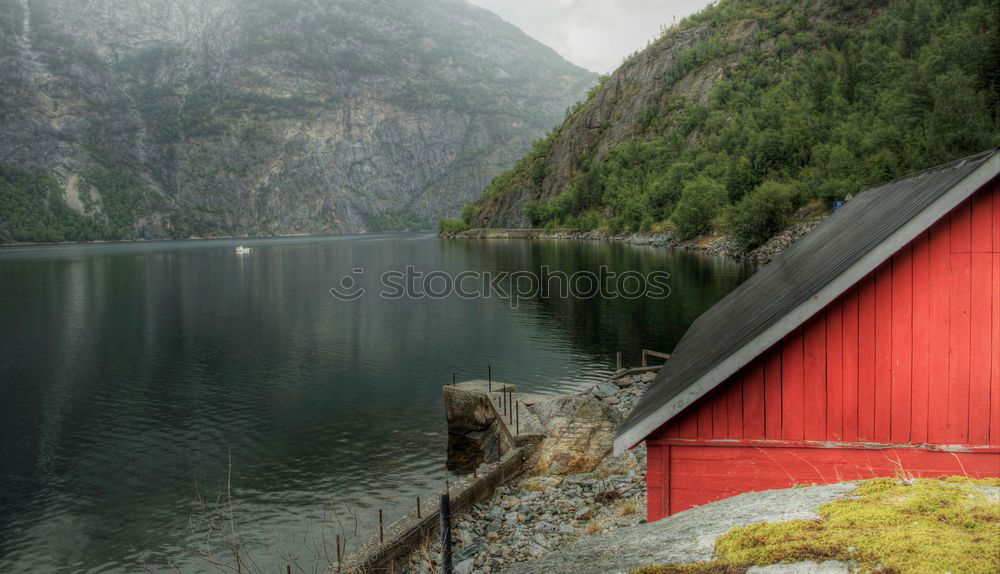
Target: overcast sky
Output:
[(595, 34)]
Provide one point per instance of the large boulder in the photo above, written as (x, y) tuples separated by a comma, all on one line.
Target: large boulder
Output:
[(579, 433)]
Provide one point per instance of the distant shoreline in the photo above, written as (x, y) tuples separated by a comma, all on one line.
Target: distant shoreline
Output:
[(710, 245), (219, 238)]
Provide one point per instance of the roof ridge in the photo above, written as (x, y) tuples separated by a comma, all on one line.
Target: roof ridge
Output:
[(951, 164)]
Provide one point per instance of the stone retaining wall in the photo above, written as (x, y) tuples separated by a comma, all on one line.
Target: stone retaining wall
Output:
[(409, 533), (467, 408)]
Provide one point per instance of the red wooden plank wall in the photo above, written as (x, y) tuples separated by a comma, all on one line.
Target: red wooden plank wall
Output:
[(910, 356), (696, 475)]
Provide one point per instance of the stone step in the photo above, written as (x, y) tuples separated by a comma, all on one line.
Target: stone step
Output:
[(465, 406)]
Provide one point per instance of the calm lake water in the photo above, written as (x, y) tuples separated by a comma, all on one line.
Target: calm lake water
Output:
[(132, 374)]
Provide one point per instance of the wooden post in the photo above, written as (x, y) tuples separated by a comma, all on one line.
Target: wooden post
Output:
[(445, 513), (338, 552), (645, 358), (489, 376), (510, 400), (381, 532), (618, 361), (418, 507), (517, 417)]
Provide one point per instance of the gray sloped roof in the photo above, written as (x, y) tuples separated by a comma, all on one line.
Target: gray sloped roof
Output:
[(802, 280)]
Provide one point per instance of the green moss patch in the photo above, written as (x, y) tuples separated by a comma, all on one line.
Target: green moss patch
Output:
[(928, 525)]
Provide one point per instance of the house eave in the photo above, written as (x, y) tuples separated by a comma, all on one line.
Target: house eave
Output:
[(906, 233)]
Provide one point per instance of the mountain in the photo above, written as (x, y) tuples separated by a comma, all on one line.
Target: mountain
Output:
[(173, 118), (737, 118)]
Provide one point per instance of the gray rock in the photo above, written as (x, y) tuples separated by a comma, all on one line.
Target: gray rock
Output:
[(604, 390), (585, 513), (465, 566), (580, 431), (825, 567), (536, 551), (469, 551), (685, 537)]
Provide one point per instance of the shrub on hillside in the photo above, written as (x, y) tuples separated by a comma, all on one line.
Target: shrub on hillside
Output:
[(448, 226), (702, 200), (759, 215), (469, 212)]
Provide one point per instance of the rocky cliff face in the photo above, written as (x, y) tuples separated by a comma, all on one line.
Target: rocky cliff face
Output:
[(173, 118), (648, 85)]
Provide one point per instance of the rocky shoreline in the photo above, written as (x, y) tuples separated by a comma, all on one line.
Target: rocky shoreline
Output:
[(546, 511), (550, 509), (712, 245)]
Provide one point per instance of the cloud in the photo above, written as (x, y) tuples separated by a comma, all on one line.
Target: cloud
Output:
[(595, 34)]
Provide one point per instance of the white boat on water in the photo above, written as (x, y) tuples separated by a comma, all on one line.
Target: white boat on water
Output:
[(244, 250)]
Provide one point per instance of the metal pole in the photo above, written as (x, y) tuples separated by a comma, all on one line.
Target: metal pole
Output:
[(453, 379), (489, 376), (338, 552), (381, 532), (445, 513), (418, 507), (517, 417)]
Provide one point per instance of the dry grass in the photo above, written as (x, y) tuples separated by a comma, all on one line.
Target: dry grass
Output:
[(627, 508)]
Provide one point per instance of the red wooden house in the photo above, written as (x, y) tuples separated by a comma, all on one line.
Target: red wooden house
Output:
[(870, 347)]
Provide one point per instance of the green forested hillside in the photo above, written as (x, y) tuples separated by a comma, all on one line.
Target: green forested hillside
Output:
[(741, 114)]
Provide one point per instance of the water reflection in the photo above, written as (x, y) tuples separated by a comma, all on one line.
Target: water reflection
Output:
[(131, 373)]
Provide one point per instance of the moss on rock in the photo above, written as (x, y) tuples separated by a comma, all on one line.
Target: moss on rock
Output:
[(923, 525)]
